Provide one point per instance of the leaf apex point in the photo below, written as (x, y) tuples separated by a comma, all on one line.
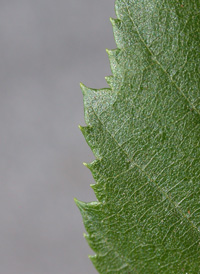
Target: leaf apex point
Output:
[(84, 88), (112, 20), (82, 85), (110, 52), (108, 78), (86, 165), (86, 236), (77, 202), (80, 205), (92, 257), (81, 128)]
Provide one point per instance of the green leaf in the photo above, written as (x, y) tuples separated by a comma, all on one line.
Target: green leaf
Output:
[(145, 134)]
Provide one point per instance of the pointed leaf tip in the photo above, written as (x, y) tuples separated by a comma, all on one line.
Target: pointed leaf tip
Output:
[(80, 205), (81, 129), (108, 51), (112, 20), (93, 259), (84, 88), (109, 80), (86, 236), (86, 165)]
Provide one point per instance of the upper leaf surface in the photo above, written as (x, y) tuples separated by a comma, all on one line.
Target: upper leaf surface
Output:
[(144, 132)]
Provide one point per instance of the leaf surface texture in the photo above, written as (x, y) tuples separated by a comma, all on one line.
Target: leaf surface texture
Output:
[(145, 134)]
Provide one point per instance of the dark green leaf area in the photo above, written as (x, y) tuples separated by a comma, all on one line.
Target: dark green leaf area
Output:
[(144, 132)]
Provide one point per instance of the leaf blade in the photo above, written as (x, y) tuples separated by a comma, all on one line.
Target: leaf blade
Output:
[(146, 140)]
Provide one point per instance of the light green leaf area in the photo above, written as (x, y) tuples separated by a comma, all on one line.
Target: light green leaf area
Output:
[(145, 134)]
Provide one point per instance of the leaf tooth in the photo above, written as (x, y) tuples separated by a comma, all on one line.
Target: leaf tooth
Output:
[(89, 212), (97, 188), (91, 165), (112, 52), (110, 81), (113, 56), (89, 135), (114, 83), (94, 240), (93, 259), (81, 206), (86, 236), (84, 89), (90, 240), (117, 9), (86, 131), (83, 130), (118, 32), (87, 207), (87, 93), (93, 98), (115, 22), (93, 168), (86, 165)]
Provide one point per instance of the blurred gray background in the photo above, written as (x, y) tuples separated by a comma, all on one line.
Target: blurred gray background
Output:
[(46, 48)]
